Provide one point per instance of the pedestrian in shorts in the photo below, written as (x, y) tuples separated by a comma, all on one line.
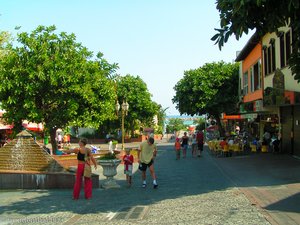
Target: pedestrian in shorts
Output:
[(146, 155)]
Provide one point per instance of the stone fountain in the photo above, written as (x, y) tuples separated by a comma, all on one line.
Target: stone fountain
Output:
[(24, 164)]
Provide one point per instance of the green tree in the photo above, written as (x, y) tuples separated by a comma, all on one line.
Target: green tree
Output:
[(212, 89), (238, 17), (5, 38), (141, 108), (200, 124), (161, 116), (175, 124), (50, 78)]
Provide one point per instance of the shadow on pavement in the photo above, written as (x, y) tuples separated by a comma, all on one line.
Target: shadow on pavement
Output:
[(290, 204), (263, 169), (176, 179)]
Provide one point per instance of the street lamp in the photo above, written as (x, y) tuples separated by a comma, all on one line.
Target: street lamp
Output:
[(124, 112)]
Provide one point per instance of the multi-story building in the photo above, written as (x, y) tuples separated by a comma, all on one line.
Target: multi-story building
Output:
[(251, 86), (281, 90), (269, 94)]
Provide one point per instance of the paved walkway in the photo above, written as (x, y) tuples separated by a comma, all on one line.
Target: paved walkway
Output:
[(272, 182), (204, 190)]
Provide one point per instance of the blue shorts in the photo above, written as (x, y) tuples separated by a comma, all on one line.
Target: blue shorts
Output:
[(185, 147)]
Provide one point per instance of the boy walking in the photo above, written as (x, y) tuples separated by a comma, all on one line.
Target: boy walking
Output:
[(146, 156), (128, 161)]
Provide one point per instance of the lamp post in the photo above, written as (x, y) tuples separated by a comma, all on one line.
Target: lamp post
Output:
[(124, 112)]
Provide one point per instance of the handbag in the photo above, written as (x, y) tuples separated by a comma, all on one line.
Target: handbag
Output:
[(87, 167), (87, 170)]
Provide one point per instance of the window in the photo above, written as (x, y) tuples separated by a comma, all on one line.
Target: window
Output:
[(265, 61), (252, 79), (282, 58), (273, 57), (269, 58), (285, 48), (255, 77), (245, 83), (288, 46)]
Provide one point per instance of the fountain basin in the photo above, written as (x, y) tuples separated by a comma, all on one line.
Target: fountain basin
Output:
[(29, 180), (26, 165)]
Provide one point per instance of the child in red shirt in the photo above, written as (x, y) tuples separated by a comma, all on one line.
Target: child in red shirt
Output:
[(128, 161), (177, 148)]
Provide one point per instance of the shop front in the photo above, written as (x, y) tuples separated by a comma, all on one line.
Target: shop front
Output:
[(288, 103), (290, 123)]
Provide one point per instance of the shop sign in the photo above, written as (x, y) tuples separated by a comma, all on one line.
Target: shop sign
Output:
[(250, 116)]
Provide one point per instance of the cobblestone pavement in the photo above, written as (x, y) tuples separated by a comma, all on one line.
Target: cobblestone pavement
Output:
[(191, 191), (272, 182)]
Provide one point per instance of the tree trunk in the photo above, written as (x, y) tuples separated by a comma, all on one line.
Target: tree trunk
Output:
[(53, 140), (17, 128), (132, 129), (221, 129)]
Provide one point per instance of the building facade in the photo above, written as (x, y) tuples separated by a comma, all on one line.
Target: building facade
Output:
[(281, 90), (251, 87), (269, 94)]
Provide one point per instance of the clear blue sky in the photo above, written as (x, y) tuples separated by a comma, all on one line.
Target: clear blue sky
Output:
[(156, 39)]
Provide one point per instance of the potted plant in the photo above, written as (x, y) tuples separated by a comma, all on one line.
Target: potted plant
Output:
[(109, 163)]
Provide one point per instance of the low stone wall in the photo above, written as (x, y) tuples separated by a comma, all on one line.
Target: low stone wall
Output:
[(41, 180), (140, 138)]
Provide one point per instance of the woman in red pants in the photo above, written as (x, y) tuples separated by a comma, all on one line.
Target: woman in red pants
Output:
[(81, 151)]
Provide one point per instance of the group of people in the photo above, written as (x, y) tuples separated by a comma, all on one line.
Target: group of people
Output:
[(146, 157), (194, 141), (60, 139), (271, 141)]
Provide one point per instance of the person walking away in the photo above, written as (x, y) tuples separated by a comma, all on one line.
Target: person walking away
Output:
[(68, 139), (146, 155), (200, 142), (177, 148), (194, 145), (59, 138), (65, 140), (184, 144), (190, 141), (128, 162), (84, 156)]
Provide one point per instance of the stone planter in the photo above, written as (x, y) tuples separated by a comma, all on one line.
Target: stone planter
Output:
[(109, 171)]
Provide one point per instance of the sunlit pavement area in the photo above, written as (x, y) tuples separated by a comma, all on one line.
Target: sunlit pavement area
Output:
[(247, 189)]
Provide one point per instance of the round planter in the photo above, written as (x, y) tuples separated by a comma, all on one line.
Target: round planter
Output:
[(109, 171)]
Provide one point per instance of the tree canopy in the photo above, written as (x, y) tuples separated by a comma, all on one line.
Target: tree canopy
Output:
[(161, 117), (50, 78), (238, 17), (212, 89), (175, 124), (5, 37), (141, 108)]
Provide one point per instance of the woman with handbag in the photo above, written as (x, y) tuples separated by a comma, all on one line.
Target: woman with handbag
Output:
[(84, 157)]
